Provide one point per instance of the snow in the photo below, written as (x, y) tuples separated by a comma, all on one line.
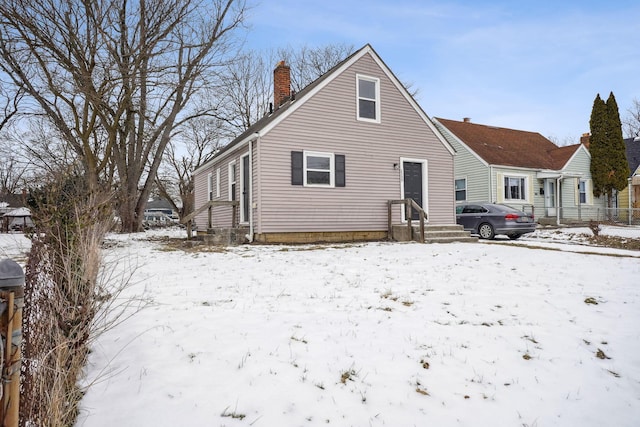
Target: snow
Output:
[(375, 334), (18, 212)]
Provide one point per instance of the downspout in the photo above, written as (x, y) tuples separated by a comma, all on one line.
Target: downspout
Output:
[(251, 191), (251, 226), (630, 191), (491, 186), (577, 185), (557, 201)]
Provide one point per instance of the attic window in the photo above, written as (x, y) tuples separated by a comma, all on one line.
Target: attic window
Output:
[(368, 94)]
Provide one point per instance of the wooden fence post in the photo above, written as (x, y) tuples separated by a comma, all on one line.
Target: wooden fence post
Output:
[(11, 301)]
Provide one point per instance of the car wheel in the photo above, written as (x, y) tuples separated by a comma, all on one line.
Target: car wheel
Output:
[(514, 236), (485, 230)]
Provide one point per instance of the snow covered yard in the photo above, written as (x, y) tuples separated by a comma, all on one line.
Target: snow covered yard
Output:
[(372, 334)]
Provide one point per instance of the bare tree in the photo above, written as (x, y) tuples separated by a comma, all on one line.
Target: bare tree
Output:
[(245, 91), (115, 77), (9, 100), (13, 171), (247, 84), (309, 63), (196, 143), (631, 122)]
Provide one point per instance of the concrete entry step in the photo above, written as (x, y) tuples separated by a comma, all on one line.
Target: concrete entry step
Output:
[(226, 236)]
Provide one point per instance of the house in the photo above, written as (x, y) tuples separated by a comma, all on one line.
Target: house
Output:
[(14, 215), (18, 219), (324, 163), (630, 196), (522, 169), (158, 212)]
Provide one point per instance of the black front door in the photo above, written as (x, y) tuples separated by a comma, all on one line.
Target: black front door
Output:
[(413, 184), (245, 189)]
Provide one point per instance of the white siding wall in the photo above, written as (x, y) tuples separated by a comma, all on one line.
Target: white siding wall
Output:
[(327, 123), (571, 208), (469, 166)]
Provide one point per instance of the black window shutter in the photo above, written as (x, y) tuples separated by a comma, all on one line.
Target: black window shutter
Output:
[(296, 168), (340, 170)]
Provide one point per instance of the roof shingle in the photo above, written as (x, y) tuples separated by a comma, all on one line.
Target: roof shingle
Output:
[(510, 147), (633, 153)]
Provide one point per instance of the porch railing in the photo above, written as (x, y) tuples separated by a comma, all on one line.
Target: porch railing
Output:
[(209, 207), (409, 205)]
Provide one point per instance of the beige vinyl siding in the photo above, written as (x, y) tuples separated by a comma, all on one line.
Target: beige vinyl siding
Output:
[(221, 215), (201, 196), (327, 123)]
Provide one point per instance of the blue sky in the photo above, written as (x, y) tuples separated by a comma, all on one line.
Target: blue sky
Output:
[(534, 66)]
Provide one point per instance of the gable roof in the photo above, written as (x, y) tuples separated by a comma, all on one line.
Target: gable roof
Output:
[(632, 146), (160, 203), (266, 123), (510, 147)]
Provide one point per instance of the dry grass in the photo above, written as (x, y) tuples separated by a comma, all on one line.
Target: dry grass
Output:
[(69, 299), (615, 242)]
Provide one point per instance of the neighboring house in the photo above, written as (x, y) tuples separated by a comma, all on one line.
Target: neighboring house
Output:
[(13, 204), (10, 201), (630, 196), (18, 219), (159, 212), (522, 169), (324, 163)]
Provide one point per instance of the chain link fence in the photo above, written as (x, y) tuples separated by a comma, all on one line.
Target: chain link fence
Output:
[(582, 215)]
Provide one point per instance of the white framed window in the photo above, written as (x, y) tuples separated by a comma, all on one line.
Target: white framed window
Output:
[(515, 188), (368, 102), (461, 189), (210, 186), (319, 169), (232, 180), (218, 182), (582, 192)]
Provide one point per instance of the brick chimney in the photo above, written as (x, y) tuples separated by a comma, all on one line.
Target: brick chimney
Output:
[(281, 84), (466, 119), (584, 140)]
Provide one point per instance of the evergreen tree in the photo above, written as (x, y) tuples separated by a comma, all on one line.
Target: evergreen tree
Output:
[(598, 145), (609, 167), (618, 152)]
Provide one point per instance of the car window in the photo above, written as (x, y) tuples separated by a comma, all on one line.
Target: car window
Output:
[(459, 209), (473, 209)]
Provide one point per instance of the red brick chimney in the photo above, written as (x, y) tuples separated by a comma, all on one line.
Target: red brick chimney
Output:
[(584, 140), (466, 119), (281, 84)]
